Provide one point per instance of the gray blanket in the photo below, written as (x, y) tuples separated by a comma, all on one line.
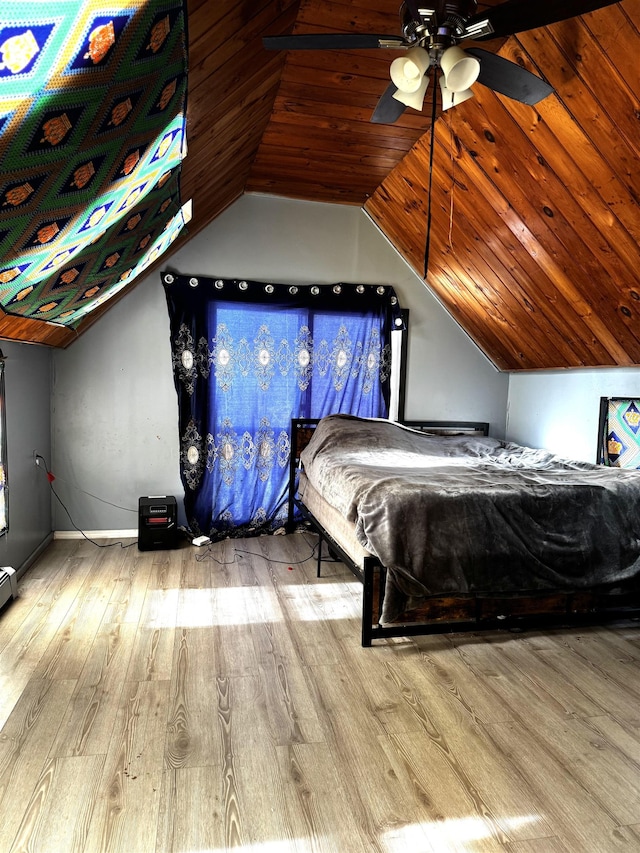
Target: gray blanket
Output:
[(463, 514)]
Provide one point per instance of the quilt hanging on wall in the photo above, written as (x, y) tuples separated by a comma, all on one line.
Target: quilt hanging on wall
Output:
[(92, 103), (620, 431)]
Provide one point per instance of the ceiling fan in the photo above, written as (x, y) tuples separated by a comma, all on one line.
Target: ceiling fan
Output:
[(432, 31)]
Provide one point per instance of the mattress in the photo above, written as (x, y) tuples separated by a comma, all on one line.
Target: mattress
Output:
[(449, 515), (341, 530)]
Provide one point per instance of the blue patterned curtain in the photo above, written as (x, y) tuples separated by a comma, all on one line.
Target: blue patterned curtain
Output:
[(249, 356)]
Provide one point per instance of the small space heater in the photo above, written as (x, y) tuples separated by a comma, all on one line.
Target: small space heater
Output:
[(157, 523), (8, 584)]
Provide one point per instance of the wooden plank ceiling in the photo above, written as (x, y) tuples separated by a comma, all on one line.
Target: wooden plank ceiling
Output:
[(535, 232)]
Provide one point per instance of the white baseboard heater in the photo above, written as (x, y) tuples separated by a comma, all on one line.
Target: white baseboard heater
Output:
[(8, 584)]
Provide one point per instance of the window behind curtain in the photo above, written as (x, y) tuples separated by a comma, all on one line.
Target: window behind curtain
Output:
[(244, 368), (4, 515)]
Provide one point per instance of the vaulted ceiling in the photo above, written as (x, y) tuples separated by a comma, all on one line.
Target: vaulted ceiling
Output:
[(535, 228)]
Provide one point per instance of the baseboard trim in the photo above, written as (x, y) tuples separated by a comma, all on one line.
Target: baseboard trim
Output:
[(96, 534), (34, 555)]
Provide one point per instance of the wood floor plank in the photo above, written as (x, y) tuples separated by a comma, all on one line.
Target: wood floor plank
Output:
[(126, 809), (315, 799), (87, 726), (608, 696), (30, 588), (289, 697), (492, 785), (448, 672), (192, 738), (65, 656), (624, 736), (25, 743), (538, 845), (381, 697), (55, 811), (27, 645), (612, 660), (206, 699), (191, 811), (610, 776), (234, 652), (166, 568), (572, 810), (523, 679), (133, 570), (152, 654), (442, 785), (351, 732), (307, 618)]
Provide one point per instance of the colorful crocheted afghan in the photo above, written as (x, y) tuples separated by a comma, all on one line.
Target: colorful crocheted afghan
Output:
[(622, 434), (92, 101)]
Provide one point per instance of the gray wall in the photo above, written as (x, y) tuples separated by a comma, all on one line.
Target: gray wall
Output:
[(28, 390), (114, 404), (559, 410)]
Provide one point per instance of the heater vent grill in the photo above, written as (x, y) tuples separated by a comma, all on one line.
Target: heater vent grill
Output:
[(8, 584)]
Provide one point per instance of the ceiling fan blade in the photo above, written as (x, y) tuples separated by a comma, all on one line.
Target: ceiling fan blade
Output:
[(509, 79), (388, 110), (412, 7), (517, 16), (333, 41)]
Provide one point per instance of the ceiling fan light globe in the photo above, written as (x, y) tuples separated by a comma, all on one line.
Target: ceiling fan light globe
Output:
[(460, 70), (415, 100), (452, 99), (407, 72)]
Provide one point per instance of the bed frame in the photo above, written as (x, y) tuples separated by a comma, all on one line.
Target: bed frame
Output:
[(464, 612)]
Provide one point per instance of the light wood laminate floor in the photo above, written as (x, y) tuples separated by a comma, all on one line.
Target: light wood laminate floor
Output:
[(202, 700)]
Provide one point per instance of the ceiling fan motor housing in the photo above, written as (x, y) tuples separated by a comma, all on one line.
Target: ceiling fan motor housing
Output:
[(439, 24)]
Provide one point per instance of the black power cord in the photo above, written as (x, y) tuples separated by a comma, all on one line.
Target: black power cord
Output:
[(50, 478)]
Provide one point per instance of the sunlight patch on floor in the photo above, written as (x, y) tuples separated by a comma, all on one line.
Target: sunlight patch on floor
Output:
[(249, 605), (450, 835), (457, 835)]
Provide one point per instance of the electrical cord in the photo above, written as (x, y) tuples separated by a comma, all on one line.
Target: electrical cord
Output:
[(206, 556), (85, 492), (239, 551), (50, 479)]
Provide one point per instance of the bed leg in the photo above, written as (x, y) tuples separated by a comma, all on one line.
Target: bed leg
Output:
[(367, 604), (319, 564)]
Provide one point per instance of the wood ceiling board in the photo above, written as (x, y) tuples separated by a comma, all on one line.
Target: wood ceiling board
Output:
[(496, 273), (25, 330), (477, 270), (586, 264), (540, 199), (494, 222), (297, 124)]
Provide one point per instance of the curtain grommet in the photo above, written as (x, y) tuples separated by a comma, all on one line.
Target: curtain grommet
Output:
[(168, 278), (193, 282)]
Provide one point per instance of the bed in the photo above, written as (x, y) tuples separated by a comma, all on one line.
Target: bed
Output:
[(450, 529)]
